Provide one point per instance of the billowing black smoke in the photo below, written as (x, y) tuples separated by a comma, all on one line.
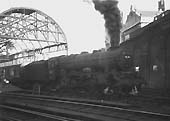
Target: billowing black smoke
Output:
[(111, 13)]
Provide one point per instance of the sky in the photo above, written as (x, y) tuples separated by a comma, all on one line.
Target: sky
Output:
[(81, 23)]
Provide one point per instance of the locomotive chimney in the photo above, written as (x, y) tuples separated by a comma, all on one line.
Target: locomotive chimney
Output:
[(111, 13)]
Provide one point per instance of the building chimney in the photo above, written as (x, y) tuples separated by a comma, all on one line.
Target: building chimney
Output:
[(161, 5)]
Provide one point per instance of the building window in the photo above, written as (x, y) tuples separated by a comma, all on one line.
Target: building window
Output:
[(137, 68), (155, 67)]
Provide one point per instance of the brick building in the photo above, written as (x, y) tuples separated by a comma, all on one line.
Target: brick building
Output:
[(136, 19)]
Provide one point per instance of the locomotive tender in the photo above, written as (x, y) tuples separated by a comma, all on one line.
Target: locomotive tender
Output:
[(147, 50)]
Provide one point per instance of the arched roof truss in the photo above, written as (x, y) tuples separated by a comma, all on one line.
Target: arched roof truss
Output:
[(25, 30)]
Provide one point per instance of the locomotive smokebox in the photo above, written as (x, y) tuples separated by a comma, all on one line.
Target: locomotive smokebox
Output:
[(111, 14)]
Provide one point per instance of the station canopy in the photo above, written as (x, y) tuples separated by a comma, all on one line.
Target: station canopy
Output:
[(25, 30)]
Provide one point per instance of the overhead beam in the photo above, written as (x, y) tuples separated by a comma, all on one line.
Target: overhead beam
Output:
[(18, 38)]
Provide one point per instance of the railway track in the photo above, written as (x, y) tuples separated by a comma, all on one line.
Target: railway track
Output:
[(31, 112), (81, 109), (151, 98)]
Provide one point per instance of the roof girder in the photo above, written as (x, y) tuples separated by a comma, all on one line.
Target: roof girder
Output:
[(35, 26)]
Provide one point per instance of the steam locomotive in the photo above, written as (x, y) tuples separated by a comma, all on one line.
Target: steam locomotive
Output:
[(70, 70), (144, 58)]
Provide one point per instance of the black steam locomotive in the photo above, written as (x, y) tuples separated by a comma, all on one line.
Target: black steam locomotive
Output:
[(143, 59), (70, 70)]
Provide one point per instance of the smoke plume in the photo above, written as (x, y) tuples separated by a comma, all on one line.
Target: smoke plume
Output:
[(111, 13)]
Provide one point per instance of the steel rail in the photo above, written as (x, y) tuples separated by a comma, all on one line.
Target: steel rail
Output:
[(10, 119), (50, 116)]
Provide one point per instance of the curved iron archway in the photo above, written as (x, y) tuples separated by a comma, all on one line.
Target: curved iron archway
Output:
[(25, 33)]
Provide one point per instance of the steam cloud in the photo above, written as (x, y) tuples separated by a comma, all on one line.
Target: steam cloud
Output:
[(111, 13)]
